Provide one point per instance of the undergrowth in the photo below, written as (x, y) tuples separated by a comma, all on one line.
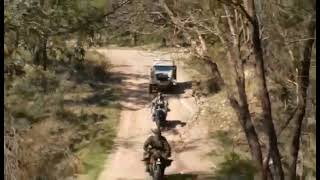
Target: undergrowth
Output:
[(225, 129), (61, 136)]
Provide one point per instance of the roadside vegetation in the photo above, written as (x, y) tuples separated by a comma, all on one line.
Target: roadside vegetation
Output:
[(62, 119), (61, 106), (231, 152)]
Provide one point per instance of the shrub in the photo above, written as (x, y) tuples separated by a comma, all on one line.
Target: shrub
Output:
[(95, 68), (36, 81), (235, 168)]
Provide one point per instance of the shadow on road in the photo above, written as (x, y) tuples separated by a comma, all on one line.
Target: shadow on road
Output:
[(181, 87), (134, 90), (173, 124)]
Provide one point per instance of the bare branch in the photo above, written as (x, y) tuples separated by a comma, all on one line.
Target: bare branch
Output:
[(287, 122), (239, 6), (300, 40), (76, 28)]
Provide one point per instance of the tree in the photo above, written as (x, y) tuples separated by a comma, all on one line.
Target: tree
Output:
[(247, 33), (251, 15), (36, 23), (194, 28), (303, 84), (34, 31)]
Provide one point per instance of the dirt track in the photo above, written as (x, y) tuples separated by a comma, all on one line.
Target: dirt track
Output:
[(188, 139)]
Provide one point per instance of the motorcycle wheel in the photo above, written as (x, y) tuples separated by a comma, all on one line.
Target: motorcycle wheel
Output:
[(157, 173), (163, 124)]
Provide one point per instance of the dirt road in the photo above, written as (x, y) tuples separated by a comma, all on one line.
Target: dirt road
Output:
[(188, 139)]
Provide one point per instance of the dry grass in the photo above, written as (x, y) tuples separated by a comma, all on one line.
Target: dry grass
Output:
[(54, 129), (11, 155), (225, 129)]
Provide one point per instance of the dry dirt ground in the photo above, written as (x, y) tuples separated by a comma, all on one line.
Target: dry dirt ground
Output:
[(188, 138)]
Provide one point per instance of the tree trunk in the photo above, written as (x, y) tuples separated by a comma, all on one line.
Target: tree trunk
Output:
[(203, 47), (244, 117), (134, 39), (44, 61), (164, 42), (303, 83), (215, 72), (265, 100), (264, 94), (242, 107), (44, 54)]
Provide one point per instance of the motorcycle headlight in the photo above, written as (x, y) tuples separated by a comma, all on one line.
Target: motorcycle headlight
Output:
[(158, 161)]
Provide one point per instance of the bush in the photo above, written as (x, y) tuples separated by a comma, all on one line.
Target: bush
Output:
[(68, 116), (235, 168), (59, 100), (32, 111), (92, 69), (36, 81)]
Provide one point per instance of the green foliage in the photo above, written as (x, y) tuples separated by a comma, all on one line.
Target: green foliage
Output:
[(235, 168), (32, 111), (223, 137), (38, 29), (27, 96), (100, 4), (59, 100), (35, 82), (67, 116), (29, 24), (95, 67), (93, 154)]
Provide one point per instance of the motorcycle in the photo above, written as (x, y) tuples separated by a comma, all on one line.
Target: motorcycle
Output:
[(159, 117), (159, 114), (157, 165)]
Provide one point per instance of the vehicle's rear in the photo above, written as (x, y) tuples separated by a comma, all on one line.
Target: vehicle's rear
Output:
[(163, 81), (164, 76)]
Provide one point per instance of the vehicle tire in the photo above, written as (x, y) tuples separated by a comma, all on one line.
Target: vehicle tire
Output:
[(162, 172), (158, 175), (151, 170)]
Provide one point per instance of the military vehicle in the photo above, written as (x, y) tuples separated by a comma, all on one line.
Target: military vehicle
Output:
[(163, 75)]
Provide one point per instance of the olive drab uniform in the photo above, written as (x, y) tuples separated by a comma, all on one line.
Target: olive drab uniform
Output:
[(158, 144)]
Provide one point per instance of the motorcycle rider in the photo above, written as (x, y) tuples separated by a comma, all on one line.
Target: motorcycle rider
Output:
[(156, 142), (159, 102)]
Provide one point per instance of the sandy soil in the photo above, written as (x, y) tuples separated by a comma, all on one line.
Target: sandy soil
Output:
[(187, 138)]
